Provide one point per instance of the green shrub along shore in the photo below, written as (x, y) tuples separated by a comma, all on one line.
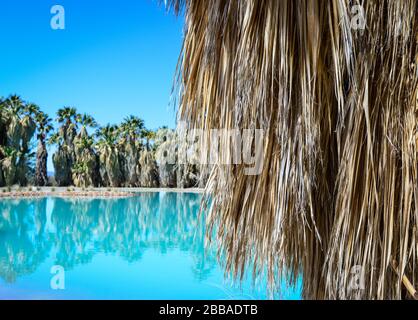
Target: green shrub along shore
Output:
[(87, 155)]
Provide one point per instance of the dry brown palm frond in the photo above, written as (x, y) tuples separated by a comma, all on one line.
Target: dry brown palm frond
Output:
[(149, 170), (338, 189)]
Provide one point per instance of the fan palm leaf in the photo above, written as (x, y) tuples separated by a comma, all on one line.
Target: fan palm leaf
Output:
[(338, 188)]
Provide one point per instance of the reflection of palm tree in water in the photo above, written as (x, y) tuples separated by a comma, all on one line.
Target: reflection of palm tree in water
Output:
[(183, 227), (24, 244), (84, 227), (75, 222)]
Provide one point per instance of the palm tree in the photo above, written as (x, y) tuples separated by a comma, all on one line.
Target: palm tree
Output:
[(86, 170), (109, 155), (166, 149), (148, 135), (13, 109), (19, 126), (336, 185), (28, 125), (131, 132), (86, 121), (86, 160), (64, 157), (149, 177), (132, 127), (9, 164), (44, 127), (67, 117)]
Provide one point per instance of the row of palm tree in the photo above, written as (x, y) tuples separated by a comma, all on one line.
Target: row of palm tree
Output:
[(87, 155)]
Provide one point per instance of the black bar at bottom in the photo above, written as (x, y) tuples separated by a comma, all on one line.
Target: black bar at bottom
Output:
[(201, 309)]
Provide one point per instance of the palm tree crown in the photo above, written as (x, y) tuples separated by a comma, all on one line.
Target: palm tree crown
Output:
[(132, 127), (66, 114), (86, 120)]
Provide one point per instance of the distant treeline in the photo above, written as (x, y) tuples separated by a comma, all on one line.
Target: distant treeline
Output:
[(87, 155)]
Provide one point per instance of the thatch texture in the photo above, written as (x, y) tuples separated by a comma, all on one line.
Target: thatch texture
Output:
[(339, 185)]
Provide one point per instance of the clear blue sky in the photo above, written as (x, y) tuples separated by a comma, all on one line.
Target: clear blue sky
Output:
[(115, 57)]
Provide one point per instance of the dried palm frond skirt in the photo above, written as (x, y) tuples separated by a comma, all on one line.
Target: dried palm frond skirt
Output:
[(336, 97)]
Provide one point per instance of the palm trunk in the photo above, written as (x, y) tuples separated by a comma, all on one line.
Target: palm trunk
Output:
[(96, 173), (22, 168), (3, 133), (1, 176), (41, 175), (130, 164), (3, 141)]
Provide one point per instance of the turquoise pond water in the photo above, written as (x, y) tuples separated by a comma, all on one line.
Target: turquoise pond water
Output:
[(147, 247)]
